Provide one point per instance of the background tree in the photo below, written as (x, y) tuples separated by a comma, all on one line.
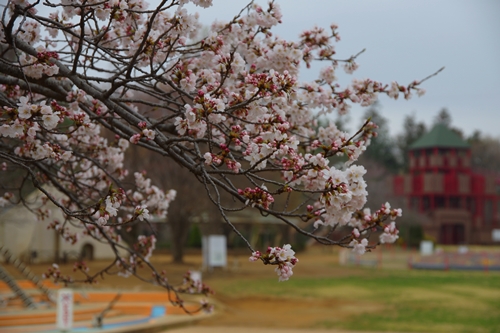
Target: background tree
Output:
[(485, 151), (229, 109), (443, 117), (382, 147), (412, 130), (190, 203)]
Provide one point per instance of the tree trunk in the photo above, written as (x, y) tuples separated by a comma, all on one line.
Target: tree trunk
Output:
[(178, 237)]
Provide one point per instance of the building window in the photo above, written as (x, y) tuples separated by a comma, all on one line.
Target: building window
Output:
[(440, 201), (471, 205), (488, 212), (415, 203), (426, 203), (498, 211), (455, 202)]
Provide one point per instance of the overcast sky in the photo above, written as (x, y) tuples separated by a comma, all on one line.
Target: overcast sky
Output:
[(407, 40)]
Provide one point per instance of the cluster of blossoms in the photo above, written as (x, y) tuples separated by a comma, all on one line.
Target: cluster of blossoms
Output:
[(55, 274), (109, 207), (365, 221), (193, 285), (225, 106), (5, 199), (37, 67), (223, 157), (283, 257), (257, 196), (396, 89), (126, 267), (390, 234), (143, 250), (150, 198), (145, 246)]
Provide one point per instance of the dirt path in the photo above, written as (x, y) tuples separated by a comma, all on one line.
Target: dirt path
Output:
[(242, 329), (248, 313), (257, 312)]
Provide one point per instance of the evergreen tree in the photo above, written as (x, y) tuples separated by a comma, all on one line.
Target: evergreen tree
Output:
[(485, 152), (412, 130), (443, 117), (382, 147)]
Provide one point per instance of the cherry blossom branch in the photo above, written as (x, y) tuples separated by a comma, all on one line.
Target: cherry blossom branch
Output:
[(229, 108)]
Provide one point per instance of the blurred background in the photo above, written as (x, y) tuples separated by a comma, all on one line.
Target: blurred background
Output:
[(437, 157)]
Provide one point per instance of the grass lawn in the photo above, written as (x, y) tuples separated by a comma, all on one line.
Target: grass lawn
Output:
[(325, 295), (387, 299)]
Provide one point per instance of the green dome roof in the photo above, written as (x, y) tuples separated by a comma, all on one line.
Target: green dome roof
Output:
[(441, 137)]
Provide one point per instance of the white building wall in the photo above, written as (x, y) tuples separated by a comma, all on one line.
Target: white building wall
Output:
[(21, 234)]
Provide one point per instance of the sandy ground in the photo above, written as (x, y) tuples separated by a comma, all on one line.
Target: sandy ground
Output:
[(241, 329), (251, 313)]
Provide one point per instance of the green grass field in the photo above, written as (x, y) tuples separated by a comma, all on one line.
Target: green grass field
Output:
[(390, 300), (325, 295)]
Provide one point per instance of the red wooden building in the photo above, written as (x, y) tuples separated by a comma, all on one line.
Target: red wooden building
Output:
[(462, 206)]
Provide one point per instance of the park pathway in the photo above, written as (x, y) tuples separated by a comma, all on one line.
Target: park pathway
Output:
[(226, 329)]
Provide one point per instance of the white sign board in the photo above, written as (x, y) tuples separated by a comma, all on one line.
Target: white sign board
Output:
[(495, 235), (426, 248), (64, 309), (214, 251), (196, 276)]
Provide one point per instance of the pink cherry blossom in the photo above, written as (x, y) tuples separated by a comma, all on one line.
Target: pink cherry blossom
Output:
[(359, 247)]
